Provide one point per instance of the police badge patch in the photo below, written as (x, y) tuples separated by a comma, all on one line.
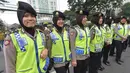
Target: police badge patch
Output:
[(6, 42)]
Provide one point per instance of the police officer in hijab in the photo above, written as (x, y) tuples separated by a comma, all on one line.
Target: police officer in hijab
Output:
[(25, 49)]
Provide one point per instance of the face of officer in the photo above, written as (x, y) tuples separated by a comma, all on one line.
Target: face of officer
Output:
[(60, 22), (123, 20), (84, 20), (100, 20), (29, 20)]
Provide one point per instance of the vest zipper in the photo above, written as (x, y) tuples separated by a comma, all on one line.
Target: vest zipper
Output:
[(37, 58), (64, 48), (124, 29), (86, 41)]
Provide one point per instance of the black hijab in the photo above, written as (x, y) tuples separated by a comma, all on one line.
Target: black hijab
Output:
[(22, 9), (56, 16)]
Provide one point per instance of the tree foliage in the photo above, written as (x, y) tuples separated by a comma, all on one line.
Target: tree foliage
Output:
[(2, 25), (94, 5), (70, 15), (126, 9)]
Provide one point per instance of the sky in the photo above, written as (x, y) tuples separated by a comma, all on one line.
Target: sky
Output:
[(11, 17)]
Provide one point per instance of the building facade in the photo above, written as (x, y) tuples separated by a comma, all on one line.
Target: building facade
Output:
[(44, 6), (52, 5)]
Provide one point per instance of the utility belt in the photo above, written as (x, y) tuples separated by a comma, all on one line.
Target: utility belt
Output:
[(95, 54)]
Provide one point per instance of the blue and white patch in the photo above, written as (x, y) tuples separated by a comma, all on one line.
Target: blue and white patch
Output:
[(43, 41), (88, 49), (128, 26), (119, 27), (79, 51), (54, 38), (46, 64), (80, 35), (22, 42)]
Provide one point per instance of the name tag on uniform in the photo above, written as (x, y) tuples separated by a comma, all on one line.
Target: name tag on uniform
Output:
[(79, 51), (58, 59), (98, 50)]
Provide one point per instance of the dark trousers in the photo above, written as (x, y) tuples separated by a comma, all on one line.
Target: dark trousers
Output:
[(119, 49), (106, 50), (62, 69), (82, 66), (94, 63), (100, 56), (125, 44), (129, 41), (112, 48)]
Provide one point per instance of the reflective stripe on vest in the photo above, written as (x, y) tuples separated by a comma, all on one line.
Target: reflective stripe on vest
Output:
[(43, 41)]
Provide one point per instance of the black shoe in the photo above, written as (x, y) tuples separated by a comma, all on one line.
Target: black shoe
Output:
[(118, 62), (111, 55), (121, 61), (124, 50), (107, 63), (101, 68)]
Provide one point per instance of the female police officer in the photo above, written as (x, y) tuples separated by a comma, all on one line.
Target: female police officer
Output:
[(60, 51), (96, 42), (23, 48), (81, 37), (121, 34), (108, 40)]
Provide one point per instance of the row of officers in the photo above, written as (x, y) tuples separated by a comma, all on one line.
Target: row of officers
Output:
[(30, 50)]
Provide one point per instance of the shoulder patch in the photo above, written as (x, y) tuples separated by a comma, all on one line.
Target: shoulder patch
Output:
[(7, 42), (72, 33)]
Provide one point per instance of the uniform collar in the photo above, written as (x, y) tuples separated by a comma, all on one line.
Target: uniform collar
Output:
[(24, 32), (57, 30), (78, 27)]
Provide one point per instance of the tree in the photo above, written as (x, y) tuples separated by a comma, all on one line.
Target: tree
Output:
[(126, 9), (94, 5), (70, 15), (2, 25)]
